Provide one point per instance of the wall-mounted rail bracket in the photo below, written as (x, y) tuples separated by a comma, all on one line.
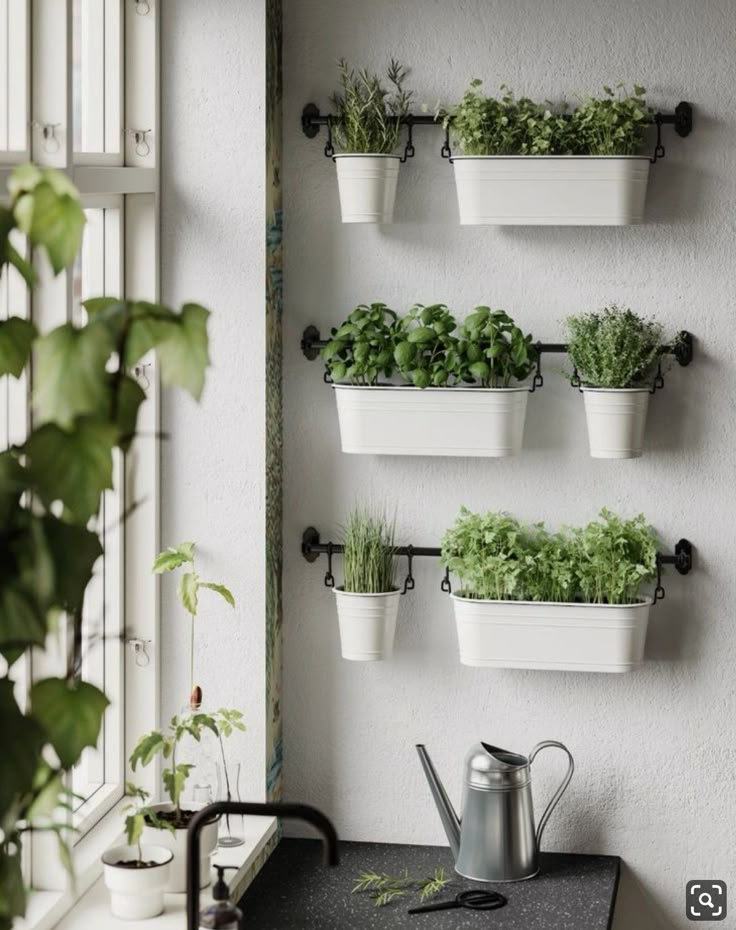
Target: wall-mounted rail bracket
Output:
[(311, 343)]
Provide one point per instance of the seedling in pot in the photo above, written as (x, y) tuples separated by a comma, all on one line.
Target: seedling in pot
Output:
[(137, 816)]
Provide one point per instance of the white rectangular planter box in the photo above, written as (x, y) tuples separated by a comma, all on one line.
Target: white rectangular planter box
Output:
[(434, 421), (571, 637), (554, 190)]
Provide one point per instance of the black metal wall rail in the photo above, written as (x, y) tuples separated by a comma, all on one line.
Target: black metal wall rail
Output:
[(313, 548), (312, 121), (682, 350)]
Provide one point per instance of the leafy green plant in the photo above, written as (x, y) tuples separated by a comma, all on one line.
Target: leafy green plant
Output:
[(221, 723), (613, 124), (190, 584), (137, 815), (493, 350), (361, 349), (383, 888), (369, 555), (425, 349), (85, 406), (368, 113), (498, 558), (614, 347)]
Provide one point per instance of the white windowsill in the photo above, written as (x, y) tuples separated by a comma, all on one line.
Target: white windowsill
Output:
[(91, 911)]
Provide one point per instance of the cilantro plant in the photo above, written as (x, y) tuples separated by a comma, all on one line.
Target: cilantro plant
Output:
[(497, 558), (613, 124), (361, 350), (85, 404), (369, 113), (492, 350), (166, 744), (190, 585), (426, 349), (615, 347)]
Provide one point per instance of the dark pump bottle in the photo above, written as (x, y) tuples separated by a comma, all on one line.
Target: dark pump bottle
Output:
[(222, 915)]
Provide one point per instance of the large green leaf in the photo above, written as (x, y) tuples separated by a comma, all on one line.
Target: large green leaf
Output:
[(13, 481), (173, 557), (184, 355), (52, 218), (220, 589), (70, 373), (146, 748), (74, 549), (26, 584), (23, 740), (130, 396), (70, 713), (150, 325), (12, 885), (188, 587), (73, 466), (16, 339)]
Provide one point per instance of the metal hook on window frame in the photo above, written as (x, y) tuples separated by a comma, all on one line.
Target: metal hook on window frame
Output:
[(51, 143), (139, 647), (409, 580), (142, 147), (140, 372), (142, 7)]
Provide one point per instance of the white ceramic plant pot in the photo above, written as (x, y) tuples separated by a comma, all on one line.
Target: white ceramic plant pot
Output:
[(616, 421), (367, 624), (136, 894), (561, 190), (572, 637), (176, 841), (435, 421), (367, 186)]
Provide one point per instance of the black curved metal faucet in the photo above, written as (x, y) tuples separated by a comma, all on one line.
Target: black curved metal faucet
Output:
[(268, 809)]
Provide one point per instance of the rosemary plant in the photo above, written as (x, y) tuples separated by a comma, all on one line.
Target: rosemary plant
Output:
[(383, 888), (369, 558), (368, 113)]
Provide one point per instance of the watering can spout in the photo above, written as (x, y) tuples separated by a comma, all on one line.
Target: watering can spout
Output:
[(450, 820)]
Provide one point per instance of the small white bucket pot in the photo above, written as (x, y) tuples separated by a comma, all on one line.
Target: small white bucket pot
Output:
[(367, 186), (367, 624), (456, 421), (136, 894), (176, 842), (616, 420), (541, 635), (554, 190)]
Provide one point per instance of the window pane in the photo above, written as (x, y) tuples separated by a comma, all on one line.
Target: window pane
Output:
[(98, 777), (97, 78), (13, 75)]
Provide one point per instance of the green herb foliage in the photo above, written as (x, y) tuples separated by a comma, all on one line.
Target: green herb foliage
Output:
[(613, 124), (498, 558), (166, 744), (137, 815), (428, 349), (369, 558), (368, 113), (86, 405), (383, 888), (614, 347)]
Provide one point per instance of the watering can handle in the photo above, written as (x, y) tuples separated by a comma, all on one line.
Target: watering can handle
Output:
[(563, 785)]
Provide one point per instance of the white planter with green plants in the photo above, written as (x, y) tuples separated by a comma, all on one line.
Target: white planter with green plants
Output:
[(462, 392), (615, 354), (368, 602), (367, 131), (570, 601), (524, 163)]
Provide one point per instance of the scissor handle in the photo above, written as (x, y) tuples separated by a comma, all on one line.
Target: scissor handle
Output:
[(550, 743), (474, 899)]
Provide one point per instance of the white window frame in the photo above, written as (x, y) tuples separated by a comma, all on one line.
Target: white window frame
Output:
[(129, 178)]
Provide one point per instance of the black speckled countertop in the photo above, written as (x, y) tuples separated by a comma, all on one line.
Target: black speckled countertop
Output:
[(295, 890)]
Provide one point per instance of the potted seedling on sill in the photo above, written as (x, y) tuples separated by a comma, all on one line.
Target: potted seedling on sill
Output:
[(367, 131), (528, 163), (462, 391), (571, 600), (136, 874), (169, 821), (368, 601), (615, 354)]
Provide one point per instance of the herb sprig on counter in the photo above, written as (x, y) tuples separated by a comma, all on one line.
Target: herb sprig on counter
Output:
[(383, 889)]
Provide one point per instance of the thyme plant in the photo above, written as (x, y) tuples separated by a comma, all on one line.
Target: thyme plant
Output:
[(498, 558), (369, 113), (369, 556), (614, 347)]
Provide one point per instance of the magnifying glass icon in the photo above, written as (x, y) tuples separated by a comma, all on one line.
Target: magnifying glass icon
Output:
[(705, 899)]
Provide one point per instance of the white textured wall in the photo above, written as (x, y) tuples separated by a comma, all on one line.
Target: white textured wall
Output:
[(655, 750), (213, 251)]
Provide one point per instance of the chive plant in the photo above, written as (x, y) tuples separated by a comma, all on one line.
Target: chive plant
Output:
[(369, 558)]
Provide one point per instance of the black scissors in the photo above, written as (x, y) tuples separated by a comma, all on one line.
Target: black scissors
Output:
[(474, 900)]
